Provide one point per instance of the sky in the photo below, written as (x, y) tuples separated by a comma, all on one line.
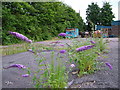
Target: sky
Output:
[(82, 5)]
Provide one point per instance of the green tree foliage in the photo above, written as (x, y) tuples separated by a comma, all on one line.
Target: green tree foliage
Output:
[(93, 16), (93, 13), (106, 14), (37, 20), (90, 26), (99, 16)]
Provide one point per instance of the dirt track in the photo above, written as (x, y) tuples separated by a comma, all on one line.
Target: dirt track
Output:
[(102, 79)]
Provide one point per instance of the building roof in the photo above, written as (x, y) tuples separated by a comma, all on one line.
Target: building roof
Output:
[(98, 27), (116, 22)]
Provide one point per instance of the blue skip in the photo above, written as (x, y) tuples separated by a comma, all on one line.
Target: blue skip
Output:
[(72, 32)]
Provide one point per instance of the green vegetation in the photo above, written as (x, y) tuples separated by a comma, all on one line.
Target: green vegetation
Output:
[(18, 48), (37, 20), (106, 14), (52, 72), (86, 60), (92, 13), (53, 76), (99, 16), (56, 76), (42, 21)]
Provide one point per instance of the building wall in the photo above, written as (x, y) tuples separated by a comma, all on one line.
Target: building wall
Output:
[(115, 30), (109, 31)]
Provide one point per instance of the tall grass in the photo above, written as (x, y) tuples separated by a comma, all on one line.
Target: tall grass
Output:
[(86, 60), (13, 49), (18, 48), (53, 76)]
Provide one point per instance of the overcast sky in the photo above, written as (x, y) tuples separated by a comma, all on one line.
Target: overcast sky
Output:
[(82, 5)]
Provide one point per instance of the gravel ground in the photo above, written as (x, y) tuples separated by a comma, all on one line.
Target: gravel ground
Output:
[(105, 78)]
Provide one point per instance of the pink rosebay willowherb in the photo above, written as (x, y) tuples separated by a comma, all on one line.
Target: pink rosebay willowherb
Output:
[(84, 48), (62, 51), (17, 65), (20, 36), (93, 42), (61, 44), (62, 34), (109, 65), (30, 50), (25, 75)]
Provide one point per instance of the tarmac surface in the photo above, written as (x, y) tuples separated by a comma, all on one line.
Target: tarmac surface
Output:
[(105, 78)]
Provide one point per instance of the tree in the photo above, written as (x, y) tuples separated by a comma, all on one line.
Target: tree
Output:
[(37, 20), (99, 16), (93, 13), (106, 14)]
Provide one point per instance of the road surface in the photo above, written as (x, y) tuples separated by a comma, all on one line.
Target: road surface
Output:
[(105, 78)]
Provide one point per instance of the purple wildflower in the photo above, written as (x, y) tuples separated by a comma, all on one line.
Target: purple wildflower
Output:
[(72, 65), (17, 65), (62, 34), (25, 75), (20, 36), (30, 50), (109, 65), (62, 51), (93, 42), (85, 48), (61, 45)]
